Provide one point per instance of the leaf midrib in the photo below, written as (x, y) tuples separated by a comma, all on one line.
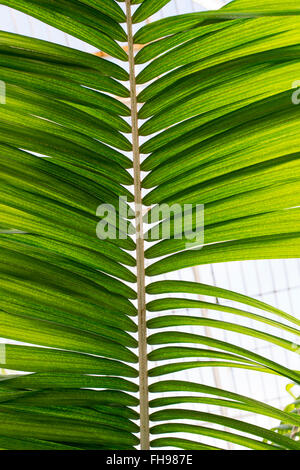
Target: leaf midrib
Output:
[(140, 257)]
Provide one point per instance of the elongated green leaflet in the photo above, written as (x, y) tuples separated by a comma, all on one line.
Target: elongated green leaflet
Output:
[(174, 337), (65, 381), (33, 359), (281, 246), (11, 443), (71, 18), (177, 303), (63, 430), (148, 8), (282, 441), (185, 444), (18, 45), (204, 431), (163, 287), (185, 366)]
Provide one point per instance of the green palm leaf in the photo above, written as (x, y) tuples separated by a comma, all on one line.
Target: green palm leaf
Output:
[(221, 131)]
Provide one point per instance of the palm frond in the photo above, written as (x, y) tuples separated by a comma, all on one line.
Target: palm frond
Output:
[(221, 131)]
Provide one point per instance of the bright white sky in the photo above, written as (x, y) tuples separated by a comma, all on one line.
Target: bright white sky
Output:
[(212, 4)]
